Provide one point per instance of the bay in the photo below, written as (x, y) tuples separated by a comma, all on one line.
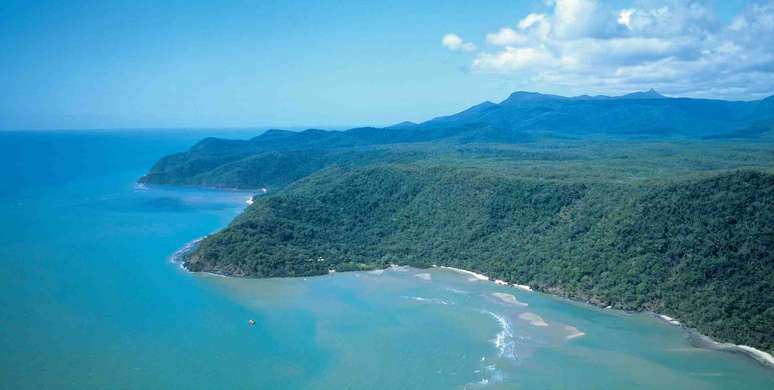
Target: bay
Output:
[(90, 299)]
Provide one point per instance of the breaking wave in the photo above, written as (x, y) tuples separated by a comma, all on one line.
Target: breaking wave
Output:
[(503, 341), (428, 300), (179, 256)]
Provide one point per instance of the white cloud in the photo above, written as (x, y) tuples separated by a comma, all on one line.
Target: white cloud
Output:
[(512, 59), (677, 47), (530, 20), (574, 18), (453, 42), (506, 37), (625, 17), (537, 24)]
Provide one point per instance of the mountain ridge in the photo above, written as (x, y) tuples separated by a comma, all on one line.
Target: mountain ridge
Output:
[(522, 117)]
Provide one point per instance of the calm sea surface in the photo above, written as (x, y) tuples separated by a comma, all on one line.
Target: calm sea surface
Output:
[(90, 299)]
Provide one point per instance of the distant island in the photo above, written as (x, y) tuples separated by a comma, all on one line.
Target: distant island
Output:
[(637, 202)]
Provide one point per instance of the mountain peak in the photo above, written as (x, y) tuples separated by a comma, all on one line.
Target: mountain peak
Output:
[(649, 94), (523, 96), (403, 125)]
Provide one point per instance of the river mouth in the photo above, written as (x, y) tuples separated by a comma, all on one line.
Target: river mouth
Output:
[(484, 334)]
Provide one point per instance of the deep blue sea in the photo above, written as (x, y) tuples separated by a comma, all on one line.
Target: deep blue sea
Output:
[(90, 299)]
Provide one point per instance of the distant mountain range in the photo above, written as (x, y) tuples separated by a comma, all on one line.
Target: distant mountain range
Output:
[(525, 114), (278, 157), (638, 114)]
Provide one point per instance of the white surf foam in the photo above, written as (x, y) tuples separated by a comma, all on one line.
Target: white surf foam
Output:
[(503, 341), (436, 301), (177, 257)]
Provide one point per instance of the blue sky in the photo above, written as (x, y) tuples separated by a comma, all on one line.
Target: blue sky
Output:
[(335, 64)]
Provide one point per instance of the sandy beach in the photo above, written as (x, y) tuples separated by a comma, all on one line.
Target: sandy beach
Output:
[(703, 341), (668, 319), (473, 275)]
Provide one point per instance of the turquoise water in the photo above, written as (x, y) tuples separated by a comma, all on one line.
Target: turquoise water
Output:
[(89, 299)]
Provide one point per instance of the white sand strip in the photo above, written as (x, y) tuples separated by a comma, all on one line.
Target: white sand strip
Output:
[(474, 275), (669, 319), (759, 355), (764, 358)]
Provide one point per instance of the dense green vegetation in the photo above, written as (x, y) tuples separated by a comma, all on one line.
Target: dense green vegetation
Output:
[(278, 157), (679, 226), (697, 249)]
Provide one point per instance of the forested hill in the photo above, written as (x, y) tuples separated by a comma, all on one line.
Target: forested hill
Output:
[(698, 249), (638, 201), (279, 157)]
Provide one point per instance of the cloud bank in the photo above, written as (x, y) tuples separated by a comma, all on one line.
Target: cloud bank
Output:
[(677, 47)]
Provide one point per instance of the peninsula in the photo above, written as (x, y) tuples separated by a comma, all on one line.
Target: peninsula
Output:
[(638, 202)]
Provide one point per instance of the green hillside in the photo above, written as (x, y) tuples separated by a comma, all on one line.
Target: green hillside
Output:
[(277, 158), (697, 248), (641, 202)]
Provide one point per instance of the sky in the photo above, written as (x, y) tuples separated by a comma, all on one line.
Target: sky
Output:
[(339, 64)]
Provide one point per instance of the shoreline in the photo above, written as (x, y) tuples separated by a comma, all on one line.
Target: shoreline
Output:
[(178, 257), (699, 340), (473, 275), (149, 185), (668, 319), (483, 277), (696, 339)]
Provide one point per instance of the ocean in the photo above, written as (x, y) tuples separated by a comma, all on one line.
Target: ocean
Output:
[(90, 298)]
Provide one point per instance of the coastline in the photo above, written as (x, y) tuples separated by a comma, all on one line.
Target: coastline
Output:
[(178, 257), (473, 275), (150, 185), (668, 319), (696, 339), (703, 341)]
